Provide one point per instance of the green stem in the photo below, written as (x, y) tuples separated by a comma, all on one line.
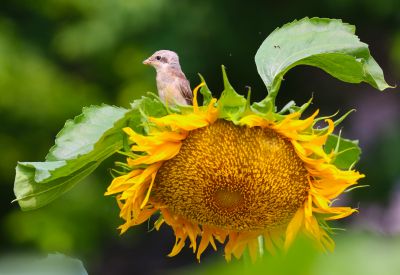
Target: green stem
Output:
[(261, 245)]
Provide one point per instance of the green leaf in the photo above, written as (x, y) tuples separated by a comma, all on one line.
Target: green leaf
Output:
[(300, 109), (230, 104), (146, 106), (325, 43), (29, 264), (205, 91), (347, 151), (265, 106), (80, 147)]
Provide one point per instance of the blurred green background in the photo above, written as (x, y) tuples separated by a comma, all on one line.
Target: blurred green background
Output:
[(57, 56)]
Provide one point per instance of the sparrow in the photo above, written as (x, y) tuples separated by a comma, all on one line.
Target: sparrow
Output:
[(172, 84)]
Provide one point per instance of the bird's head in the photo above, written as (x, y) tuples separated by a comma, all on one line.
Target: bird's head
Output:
[(163, 59)]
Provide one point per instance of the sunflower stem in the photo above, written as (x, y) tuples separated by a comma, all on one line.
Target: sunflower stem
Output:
[(261, 246)]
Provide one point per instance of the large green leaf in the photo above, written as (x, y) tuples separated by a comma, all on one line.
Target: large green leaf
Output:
[(29, 264), (80, 147), (328, 44), (347, 151)]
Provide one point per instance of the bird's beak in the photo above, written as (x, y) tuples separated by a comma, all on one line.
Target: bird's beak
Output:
[(147, 61)]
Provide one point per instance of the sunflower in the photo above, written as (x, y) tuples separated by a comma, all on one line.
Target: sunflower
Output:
[(233, 176)]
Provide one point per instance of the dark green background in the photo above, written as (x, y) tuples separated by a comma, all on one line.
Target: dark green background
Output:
[(57, 56)]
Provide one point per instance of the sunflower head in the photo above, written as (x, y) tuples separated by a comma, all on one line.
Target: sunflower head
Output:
[(226, 172)]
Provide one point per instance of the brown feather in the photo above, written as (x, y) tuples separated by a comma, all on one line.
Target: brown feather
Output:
[(184, 85)]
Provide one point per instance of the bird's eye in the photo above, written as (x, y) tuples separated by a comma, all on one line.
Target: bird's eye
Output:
[(158, 57)]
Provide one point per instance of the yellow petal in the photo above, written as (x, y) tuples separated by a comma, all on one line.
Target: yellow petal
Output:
[(293, 228)]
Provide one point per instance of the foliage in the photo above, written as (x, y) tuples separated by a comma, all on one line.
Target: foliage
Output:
[(97, 134), (52, 264), (324, 43), (57, 56), (304, 259)]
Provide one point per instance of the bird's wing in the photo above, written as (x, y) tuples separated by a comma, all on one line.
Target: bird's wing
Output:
[(185, 90), (183, 85)]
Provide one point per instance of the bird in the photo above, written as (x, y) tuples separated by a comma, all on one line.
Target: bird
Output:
[(172, 84)]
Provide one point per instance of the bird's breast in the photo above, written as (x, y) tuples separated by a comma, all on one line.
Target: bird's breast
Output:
[(171, 94), (169, 88)]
